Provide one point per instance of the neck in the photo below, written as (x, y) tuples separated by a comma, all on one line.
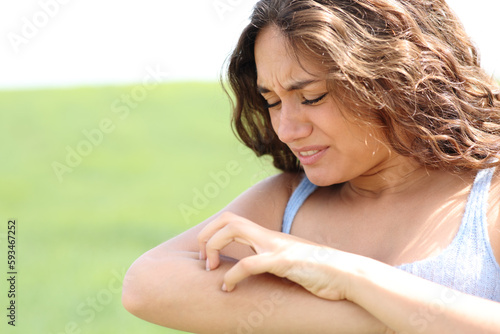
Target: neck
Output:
[(394, 176)]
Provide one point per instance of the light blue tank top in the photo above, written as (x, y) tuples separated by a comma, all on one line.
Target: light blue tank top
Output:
[(467, 264)]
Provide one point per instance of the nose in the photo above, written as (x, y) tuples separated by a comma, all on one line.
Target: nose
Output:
[(291, 123)]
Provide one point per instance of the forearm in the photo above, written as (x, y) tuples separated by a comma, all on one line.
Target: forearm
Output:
[(175, 291), (409, 304)]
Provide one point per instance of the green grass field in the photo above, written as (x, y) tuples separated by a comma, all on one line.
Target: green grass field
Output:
[(94, 177)]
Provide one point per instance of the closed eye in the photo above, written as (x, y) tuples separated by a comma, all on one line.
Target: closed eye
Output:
[(312, 102), (268, 106), (305, 102)]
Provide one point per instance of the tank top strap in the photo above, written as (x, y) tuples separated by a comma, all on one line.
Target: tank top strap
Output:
[(468, 264), (301, 193), (477, 203), (474, 222)]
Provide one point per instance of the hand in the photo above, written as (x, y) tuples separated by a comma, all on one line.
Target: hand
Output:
[(319, 269)]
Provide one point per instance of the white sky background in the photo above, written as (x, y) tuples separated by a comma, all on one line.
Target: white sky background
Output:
[(88, 42)]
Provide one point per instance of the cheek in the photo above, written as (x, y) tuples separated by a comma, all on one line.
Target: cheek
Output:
[(330, 123)]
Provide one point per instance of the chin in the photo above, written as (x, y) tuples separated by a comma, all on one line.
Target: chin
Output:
[(322, 179)]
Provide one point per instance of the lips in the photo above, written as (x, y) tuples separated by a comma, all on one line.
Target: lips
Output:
[(310, 155)]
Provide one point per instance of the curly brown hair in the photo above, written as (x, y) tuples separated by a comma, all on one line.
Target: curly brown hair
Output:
[(405, 66)]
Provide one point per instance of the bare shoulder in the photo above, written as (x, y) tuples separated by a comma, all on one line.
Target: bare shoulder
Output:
[(494, 213), (264, 204)]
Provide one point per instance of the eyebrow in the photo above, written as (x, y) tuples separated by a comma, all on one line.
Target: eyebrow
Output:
[(296, 86)]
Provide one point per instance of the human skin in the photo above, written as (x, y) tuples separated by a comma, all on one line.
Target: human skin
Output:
[(385, 210), (169, 285)]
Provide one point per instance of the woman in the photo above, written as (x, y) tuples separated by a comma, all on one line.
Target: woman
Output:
[(386, 217)]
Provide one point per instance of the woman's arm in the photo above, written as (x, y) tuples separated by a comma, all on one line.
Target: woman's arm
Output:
[(175, 291), (409, 304), (404, 302), (169, 285)]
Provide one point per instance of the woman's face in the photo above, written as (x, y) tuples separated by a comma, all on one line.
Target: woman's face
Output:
[(304, 115)]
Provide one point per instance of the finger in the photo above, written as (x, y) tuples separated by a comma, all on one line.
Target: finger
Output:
[(209, 230), (230, 233), (246, 267), (225, 229)]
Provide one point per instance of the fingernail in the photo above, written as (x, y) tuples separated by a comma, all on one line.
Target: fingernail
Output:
[(208, 265), (224, 287)]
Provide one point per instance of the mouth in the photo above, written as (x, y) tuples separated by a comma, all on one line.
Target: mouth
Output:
[(310, 155)]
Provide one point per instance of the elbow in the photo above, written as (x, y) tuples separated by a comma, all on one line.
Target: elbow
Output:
[(133, 294), (149, 289), (142, 288), (130, 301)]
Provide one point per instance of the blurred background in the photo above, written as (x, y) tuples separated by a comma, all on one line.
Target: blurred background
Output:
[(114, 137)]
